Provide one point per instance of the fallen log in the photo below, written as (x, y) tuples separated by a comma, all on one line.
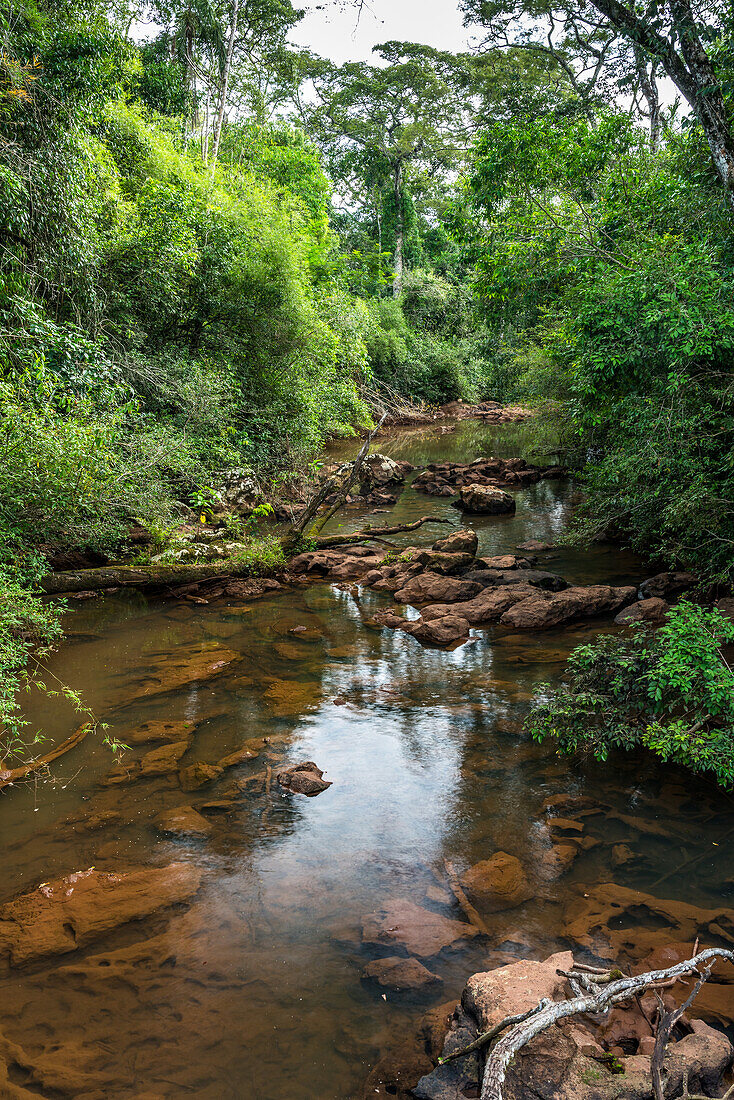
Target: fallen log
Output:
[(136, 576)]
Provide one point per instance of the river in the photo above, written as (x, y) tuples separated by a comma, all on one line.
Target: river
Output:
[(255, 989)]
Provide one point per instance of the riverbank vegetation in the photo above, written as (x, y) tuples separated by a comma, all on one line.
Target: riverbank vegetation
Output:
[(218, 248)]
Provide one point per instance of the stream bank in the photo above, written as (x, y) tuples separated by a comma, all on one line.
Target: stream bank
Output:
[(244, 957)]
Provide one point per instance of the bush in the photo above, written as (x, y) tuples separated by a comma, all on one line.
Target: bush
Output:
[(670, 691)]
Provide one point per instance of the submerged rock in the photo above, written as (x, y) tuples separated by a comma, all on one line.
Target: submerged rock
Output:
[(182, 821), (497, 883), (397, 973), (67, 913), (305, 778), (419, 931)]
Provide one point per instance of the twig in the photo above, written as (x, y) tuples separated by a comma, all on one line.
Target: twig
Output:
[(488, 1036)]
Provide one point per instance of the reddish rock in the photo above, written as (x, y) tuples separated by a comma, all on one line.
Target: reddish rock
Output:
[(434, 588), (497, 883), (463, 541), (198, 775), (443, 631), (534, 546), (305, 778), (487, 607), (65, 914), (546, 609), (182, 821), (492, 996), (419, 931), (652, 610), (484, 500), (397, 973)]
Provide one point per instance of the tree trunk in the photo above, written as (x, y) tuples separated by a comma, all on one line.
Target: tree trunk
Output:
[(649, 88), (690, 70), (397, 286), (225, 84)]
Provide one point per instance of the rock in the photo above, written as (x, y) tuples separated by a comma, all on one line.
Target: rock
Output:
[(497, 883), (534, 546), (484, 500), (703, 1056), (182, 821), (378, 470), (463, 541), (621, 855), (397, 973), (240, 756), (238, 491), (305, 778), (153, 731), (726, 607), (161, 761), (665, 584), (614, 921), (435, 588), (186, 664), (503, 562), (252, 588), (198, 775), (458, 1079), (488, 606), (419, 931), (443, 631), (491, 996), (437, 561), (546, 609), (559, 859), (68, 913), (652, 610)]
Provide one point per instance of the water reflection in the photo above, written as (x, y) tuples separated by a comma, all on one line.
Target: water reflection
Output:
[(256, 989)]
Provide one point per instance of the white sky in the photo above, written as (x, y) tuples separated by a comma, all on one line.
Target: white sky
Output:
[(334, 31)]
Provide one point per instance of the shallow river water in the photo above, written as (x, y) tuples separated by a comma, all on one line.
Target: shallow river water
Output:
[(255, 990)]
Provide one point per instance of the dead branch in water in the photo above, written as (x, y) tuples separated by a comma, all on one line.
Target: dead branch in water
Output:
[(333, 484), (376, 534), (594, 994), (7, 778), (463, 900)]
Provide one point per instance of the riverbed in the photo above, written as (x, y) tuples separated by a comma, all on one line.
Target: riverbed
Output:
[(255, 988)]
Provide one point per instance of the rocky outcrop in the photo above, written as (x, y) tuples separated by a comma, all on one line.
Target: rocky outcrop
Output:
[(463, 541), (651, 610), (486, 500), (545, 609)]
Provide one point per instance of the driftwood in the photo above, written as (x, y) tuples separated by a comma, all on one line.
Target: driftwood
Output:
[(594, 993), (375, 534), (7, 778)]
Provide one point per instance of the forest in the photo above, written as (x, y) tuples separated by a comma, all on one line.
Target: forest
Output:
[(226, 260)]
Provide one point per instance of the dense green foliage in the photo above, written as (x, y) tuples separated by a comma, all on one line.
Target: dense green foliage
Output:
[(670, 691)]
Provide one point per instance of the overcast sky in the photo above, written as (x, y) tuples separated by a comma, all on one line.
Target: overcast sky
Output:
[(334, 31)]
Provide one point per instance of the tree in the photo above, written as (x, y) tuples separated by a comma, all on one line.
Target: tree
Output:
[(679, 36)]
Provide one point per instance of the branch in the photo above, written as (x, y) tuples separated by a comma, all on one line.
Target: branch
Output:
[(374, 534), (600, 1000)]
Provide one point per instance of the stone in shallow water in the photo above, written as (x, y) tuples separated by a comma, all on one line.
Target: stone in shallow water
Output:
[(419, 931), (182, 821), (65, 914), (485, 500), (185, 665), (398, 973), (198, 775), (497, 883), (305, 778)]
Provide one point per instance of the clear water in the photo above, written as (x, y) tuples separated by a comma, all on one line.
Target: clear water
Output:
[(256, 991)]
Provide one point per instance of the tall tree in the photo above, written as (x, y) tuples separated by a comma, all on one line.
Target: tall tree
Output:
[(679, 36)]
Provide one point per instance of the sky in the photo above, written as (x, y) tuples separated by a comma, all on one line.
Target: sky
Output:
[(332, 29)]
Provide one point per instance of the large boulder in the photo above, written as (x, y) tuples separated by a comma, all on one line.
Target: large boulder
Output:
[(497, 883), (666, 584), (652, 610), (486, 607), (486, 500), (238, 491), (463, 541), (435, 588), (443, 631), (546, 609)]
